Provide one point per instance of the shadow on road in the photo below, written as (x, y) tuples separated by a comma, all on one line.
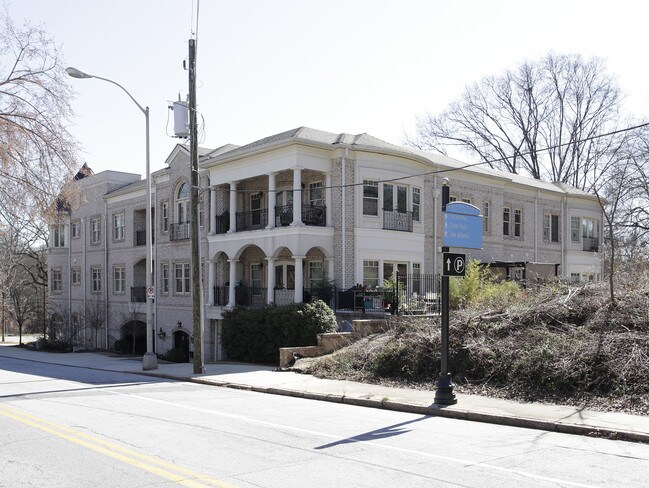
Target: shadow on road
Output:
[(373, 435), (14, 384)]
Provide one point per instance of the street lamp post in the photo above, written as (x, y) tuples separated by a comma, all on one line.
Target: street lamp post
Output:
[(149, 360)]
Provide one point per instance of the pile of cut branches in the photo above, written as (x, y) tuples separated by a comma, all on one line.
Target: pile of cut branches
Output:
[(563, 343)]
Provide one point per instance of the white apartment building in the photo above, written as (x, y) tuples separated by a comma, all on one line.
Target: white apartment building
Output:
[(283, 213)]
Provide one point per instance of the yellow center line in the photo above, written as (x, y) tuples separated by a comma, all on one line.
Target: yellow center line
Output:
[(164, 469)]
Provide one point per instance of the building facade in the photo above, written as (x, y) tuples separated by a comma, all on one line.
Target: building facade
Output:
[(282, 215)]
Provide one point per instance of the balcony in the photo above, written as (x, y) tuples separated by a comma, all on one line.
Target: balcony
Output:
[(394, 220), (223, 223), (179, 231), (138, 294), (590, 244), (311, 215), (245, 296), (314, 215), (253, 220), (140, 238)]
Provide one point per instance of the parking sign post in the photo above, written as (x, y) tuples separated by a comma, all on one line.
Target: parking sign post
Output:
[(444, 394)]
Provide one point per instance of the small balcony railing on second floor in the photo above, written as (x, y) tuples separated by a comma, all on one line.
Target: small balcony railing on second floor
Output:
[(223, 223), (591, 244), (394, 220), (314, 215), (252, 220), (140, 238), (138, 294), (179, 231), (311, 215)]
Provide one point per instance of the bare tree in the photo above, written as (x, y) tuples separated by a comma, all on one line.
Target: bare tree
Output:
[(65, 327), (95, 315), (539, 119), (612, 204), (134, 324), (23, 307), (36, 149), (631, 223)]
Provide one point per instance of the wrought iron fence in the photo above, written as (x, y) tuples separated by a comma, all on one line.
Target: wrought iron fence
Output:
[(406, 294)]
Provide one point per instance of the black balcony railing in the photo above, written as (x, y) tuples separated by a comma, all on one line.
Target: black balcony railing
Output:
[(223, 223), (252, 220), (314, 215), (245, 296), (591, 244), (140, 238), (311, 214), (221, 294), (138, 294), (179, 231), (394, 220), (284, 215)]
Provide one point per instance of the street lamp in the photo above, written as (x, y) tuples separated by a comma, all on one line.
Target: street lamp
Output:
[(149, 360)]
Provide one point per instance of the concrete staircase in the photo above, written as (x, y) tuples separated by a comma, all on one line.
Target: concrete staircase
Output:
[(331, 341)]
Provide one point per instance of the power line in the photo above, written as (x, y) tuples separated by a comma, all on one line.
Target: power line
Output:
[(466, 166)]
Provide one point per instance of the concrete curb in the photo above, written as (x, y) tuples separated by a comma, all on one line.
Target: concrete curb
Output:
[(432, 410)]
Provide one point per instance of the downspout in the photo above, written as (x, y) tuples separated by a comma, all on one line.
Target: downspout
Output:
[(106, 267), (83, 277), (536, 227), (563, 241), (69, 241), (155, 263), (435, 226), (343, 219)]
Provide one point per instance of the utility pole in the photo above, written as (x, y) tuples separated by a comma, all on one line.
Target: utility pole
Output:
[(195, 274), (3, 315)]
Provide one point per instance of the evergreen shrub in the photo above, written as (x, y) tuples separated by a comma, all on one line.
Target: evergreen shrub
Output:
[(256, 334)]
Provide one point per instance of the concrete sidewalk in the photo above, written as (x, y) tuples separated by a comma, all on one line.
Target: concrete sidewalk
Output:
[(554, 418)]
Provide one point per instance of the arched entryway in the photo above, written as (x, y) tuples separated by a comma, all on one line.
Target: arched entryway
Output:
[(181, 343), (134, 335)]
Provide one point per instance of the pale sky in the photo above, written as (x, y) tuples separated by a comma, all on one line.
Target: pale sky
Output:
[(267, 66)]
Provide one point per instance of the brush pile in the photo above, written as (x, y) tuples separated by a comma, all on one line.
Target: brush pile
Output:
[(561, 343)]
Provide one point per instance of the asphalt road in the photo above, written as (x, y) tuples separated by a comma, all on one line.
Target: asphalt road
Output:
[(71, 427)]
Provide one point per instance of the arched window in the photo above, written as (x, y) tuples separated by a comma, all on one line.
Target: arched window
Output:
[(182, 203)]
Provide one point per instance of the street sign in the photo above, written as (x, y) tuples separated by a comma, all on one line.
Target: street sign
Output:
[(150, 292), (454, 264), (462, 226)]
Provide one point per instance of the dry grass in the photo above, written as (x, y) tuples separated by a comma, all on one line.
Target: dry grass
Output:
[(561, 343)]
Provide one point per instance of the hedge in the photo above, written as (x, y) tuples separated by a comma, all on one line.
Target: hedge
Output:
[(256, 334)]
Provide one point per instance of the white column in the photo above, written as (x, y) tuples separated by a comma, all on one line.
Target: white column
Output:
[(213, 210), (270, 280), (272, 201), (233, 281), (233, 207), (297, 197), (211, 282), (299, 279), (328, 199), (330, 269)]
